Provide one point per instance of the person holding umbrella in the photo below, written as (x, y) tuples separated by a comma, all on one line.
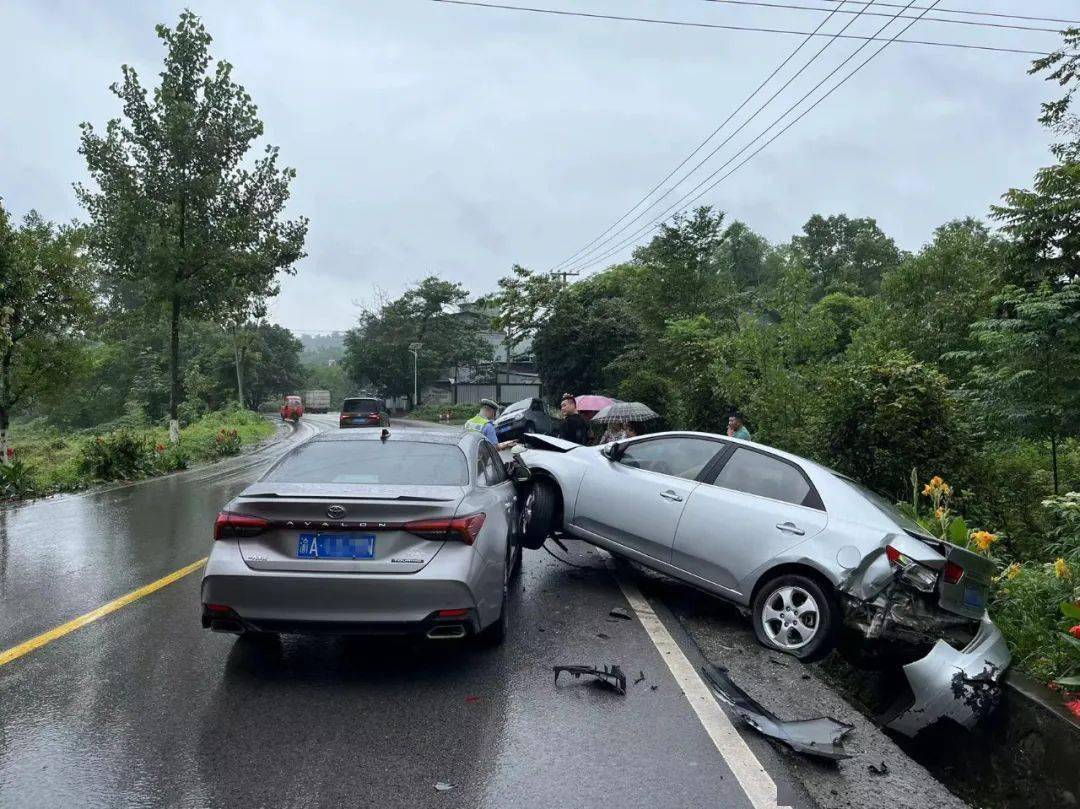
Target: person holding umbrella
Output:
[(625, 418)]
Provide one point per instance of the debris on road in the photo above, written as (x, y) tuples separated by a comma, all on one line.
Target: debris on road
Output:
[(822, 736), (602, 636), (619, 612), (610, 676), (876, 770), (641, 677), (472, 698), (443, 786)]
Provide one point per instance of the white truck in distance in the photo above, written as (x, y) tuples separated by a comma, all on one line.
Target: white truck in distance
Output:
[(317, 401)]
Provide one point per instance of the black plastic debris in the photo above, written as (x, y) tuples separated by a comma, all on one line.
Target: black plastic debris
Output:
[(618, 612), (610, 676), (876, 770), (602, 636), (640, 677), (816, 737)]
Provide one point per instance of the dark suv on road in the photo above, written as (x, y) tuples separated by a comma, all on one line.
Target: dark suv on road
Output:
[(526, 416), (363, 411)]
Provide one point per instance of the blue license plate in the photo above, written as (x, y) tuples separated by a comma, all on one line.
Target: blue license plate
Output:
[(335, 546), (973, 597)]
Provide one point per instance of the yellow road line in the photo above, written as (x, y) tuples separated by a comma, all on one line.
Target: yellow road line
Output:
[(15, 652)]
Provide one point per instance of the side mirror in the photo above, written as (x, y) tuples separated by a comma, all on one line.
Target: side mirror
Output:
[(613, 452), (519, 472)]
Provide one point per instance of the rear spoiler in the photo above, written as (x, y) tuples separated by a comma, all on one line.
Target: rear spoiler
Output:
[(548, 442)]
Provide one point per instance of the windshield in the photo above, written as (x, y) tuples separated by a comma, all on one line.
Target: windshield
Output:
[(885, 506), (360, 406), (392, 463), (522, 405)]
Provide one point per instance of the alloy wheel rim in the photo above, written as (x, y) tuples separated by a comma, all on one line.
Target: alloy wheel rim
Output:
[(526, 512), (791, 617)]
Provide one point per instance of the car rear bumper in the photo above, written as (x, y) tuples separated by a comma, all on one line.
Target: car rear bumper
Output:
[(962, 685), (433, 626), (347, 603)]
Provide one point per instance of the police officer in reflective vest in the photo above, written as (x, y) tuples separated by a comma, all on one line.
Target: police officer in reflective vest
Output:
[(483, 422)]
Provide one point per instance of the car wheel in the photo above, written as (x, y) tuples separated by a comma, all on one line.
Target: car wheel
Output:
[(537, 514), (515, 571), (793, 614)]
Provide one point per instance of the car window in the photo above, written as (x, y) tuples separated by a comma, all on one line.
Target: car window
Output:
[(761, 474), (488, 466), (682, 456), (516, 406), (494, 470), (360, 406), (374, 462)]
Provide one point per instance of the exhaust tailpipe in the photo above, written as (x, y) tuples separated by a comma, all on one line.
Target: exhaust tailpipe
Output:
[(446, 632)]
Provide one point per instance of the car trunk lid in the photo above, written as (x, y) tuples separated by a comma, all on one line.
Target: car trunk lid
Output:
[(342, 528), (967, 593)]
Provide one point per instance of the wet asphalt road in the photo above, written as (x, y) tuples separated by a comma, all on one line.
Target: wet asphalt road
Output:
[(145, 708)]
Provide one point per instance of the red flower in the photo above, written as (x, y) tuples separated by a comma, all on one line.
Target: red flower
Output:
[(1074, 706), (159, 447), (11, 452), (1075, 631)]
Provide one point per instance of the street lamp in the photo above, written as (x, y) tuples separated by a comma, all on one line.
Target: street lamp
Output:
[(414, 348)]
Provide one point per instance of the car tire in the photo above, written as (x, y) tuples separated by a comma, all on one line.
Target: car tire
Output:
[(781, 615), (537, 514)]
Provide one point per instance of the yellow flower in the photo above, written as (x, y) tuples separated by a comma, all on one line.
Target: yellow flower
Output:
[(1012, 571), (928, 490), (983, 539), (1061, 570), (940, 513)]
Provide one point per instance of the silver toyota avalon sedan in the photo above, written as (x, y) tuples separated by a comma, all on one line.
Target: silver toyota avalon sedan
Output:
[(360, 532)]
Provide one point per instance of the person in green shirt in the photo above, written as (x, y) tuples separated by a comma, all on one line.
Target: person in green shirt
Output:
[(736, 428)]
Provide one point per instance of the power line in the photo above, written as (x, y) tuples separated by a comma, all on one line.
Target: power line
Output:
[(740, 128), (699, 147), (839, 10), (970, 12), (833, 89), (688, 24)]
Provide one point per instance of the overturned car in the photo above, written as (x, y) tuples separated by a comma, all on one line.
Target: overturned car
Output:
[(806, 551)]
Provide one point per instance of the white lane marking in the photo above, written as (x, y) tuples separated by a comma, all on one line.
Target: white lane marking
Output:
[(755, 781)]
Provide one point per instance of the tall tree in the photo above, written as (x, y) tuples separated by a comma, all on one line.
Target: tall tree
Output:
[(45, 302), (845, 255), (1044, 220), (1027, 364), (181, 221), (377, 350), (524, 300)]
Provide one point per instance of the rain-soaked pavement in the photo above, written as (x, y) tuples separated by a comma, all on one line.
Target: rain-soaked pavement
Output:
[(144, 708)]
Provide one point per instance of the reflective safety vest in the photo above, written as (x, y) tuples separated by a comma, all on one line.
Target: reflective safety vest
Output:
[(477, 423)]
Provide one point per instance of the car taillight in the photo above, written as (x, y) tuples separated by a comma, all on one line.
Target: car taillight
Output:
[(465, 529), (896, 557), (229, 525), (953, 573)]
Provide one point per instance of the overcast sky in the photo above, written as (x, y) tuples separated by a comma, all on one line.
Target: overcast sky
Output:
[(433, 138)]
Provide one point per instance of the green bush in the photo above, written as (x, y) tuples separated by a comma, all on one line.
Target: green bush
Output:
[(1064, 518), (884, 418), (1026, 606), (170, 458), (16, 479), (648, 388), (119, 455), (224, 442)]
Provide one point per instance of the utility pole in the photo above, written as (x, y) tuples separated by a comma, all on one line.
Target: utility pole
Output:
[(414, 348), (565, 274)]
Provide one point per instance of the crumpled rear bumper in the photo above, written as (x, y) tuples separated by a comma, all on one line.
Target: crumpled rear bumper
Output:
[(960, 685)]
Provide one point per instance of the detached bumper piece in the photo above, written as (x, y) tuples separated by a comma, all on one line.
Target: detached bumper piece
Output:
[(963, 685), (823, 737), (609, 676)]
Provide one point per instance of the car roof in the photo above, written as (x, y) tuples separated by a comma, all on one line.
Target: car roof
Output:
[(361, 398), (407, 435)]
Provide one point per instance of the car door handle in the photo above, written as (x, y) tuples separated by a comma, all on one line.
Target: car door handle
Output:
[(671, 495), (790, 528)]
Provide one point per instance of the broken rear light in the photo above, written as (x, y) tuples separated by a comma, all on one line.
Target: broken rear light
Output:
[(953, 573), (918, 576), (229, 525), (465, 529)]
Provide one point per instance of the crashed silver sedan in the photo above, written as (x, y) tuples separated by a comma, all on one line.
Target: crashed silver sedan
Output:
[(805, 550)]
